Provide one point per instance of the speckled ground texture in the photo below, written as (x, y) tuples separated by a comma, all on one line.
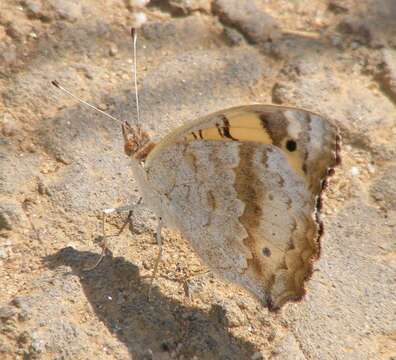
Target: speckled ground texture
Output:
[(60, 164)]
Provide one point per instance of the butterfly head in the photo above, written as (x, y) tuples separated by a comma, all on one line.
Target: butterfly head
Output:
[(137, 143)]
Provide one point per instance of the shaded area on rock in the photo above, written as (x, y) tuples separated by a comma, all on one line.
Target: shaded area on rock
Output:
[(118, 296)]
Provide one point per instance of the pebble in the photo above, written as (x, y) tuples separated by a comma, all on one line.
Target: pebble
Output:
[(5, 348), (336, 41), (188, 6), (30, 147), (146, 264), (113, 50), (357, 27), (371, 168), (21, 302), (355, 171), (33, 8), (24, 315), (42, 188), (86, 70), (280, 93), (68, 10), (233, 36), (338, 6), (14, 32), (384, 189), (246, 16), (148, 355), (38, 346), (6, 312), (233, 315), (10, 216), (102, 106), (24, 337), (8, 53)]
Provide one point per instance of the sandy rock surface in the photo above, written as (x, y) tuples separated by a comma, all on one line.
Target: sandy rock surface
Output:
[(61, 164)]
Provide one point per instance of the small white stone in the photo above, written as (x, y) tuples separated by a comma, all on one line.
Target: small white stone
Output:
[(109, 211), (354, 171)]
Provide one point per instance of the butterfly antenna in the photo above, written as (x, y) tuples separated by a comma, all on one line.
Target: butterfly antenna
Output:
[(57, 85), (134, 68)]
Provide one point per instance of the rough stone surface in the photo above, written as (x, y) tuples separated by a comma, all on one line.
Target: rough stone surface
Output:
[(188, 6), (6, 312), (383, 189), (68, 10), (10, 216), (61, 164), (249, 18), (33, 8), (287, 346), (371, 24), (388, 75)]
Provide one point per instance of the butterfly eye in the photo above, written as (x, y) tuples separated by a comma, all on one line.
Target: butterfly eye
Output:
[(291, 145), (266, 252)]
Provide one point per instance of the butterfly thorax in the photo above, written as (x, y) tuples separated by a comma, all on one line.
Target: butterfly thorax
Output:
[(137, 143)]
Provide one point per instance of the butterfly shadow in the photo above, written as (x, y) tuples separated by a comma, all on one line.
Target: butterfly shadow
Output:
[(161, 325)]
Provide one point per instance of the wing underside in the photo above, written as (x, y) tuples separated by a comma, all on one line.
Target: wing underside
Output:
[(248, 204)]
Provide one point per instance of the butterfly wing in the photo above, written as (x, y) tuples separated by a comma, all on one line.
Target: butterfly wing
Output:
[(243, 186)]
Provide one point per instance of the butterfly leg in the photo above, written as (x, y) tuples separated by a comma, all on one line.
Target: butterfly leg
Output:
[(158, 259), (103, 239)]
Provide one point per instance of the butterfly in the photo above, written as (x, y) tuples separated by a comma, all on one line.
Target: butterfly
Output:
[(244, 186)]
